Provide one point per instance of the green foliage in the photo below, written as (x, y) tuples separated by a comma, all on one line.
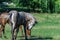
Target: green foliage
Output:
[(40, 5)]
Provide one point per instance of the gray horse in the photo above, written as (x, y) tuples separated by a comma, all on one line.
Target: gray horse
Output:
[(16, 20), (22, 18), (31, 22)]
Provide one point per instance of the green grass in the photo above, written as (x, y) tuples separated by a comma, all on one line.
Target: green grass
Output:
[(48, 27)]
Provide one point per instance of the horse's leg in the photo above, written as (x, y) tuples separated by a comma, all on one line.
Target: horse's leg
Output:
[(21, 30), (3, 26), (2, 29), (14, 32), (0, 32), (28, 32), (25, 33), (25, 30)]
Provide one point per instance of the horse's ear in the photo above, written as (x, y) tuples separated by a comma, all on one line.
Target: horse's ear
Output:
[(36, 22)]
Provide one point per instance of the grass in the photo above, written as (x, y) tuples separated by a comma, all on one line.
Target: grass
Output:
[(48, 28)]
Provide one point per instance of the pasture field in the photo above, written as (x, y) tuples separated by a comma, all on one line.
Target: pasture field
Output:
[(47, 28)]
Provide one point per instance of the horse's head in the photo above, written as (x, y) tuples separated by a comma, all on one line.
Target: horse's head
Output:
[(31, 23)]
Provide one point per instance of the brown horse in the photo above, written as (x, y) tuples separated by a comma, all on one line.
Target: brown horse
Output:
[(3, 20)]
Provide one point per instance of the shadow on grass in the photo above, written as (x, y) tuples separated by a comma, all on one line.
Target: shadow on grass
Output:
[(36, 38)]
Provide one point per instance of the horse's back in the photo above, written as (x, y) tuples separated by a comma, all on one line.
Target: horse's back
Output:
[(27, 15), (4, 15)]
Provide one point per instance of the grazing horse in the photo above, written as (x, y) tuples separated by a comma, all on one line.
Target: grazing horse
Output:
[(16, 20), (30, 19), (31, 22)]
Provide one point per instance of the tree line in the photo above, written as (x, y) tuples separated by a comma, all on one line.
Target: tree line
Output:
[(49, 6)]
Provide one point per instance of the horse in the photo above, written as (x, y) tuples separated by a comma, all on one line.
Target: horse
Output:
[(3, 20), (31, 22), (15, 21), (28, 17)]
